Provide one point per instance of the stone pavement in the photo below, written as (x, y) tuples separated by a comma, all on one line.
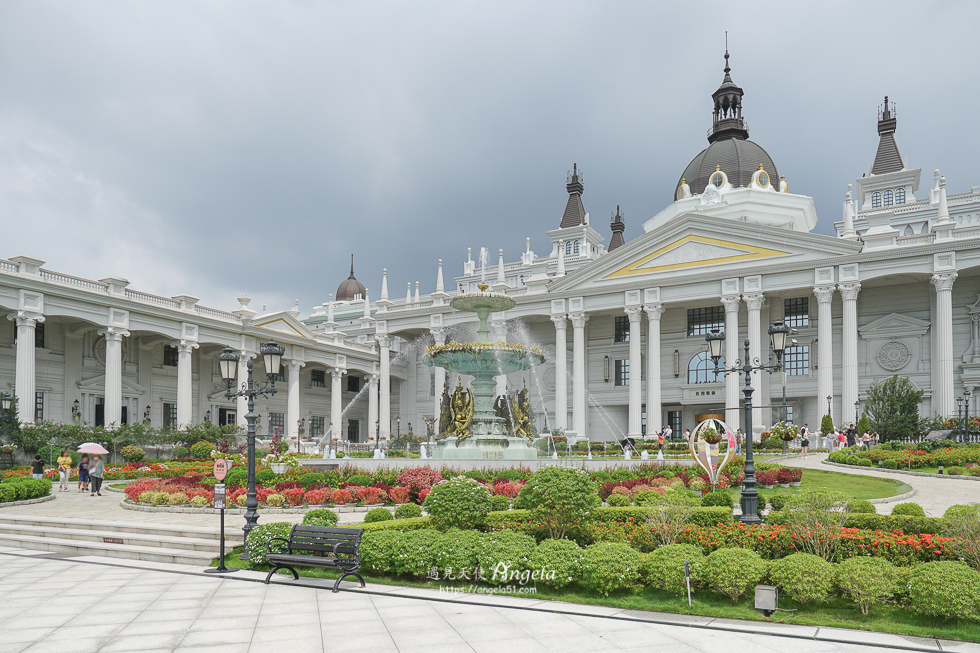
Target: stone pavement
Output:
[(94, 604), (935, 495)]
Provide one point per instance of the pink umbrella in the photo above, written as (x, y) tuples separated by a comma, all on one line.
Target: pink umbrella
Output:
[(92, 447)]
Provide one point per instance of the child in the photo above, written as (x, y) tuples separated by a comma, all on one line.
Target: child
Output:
[(37, 467), (64, 470), (83, 473)]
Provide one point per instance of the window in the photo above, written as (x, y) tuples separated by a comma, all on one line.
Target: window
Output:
[(39, 335), (38, 406), (796, 312), (575, 250), (643, 421), (277, 421), (900, 196), (316, 426), (622, 333), (318, 378), (702, 320), (623, 372), (169, 356), (169, 416), (887, 196), (701, 369), (227, 417), (353, 384), (789, 414), (568, 248), (280, 376), (796, 360), (353, 430), (674, 422), (876, 200)]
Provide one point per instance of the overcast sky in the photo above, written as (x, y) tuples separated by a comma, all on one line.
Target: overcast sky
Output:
[(214, 148)]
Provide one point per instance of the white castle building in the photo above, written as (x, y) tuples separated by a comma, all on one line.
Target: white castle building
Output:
[(897, 291)]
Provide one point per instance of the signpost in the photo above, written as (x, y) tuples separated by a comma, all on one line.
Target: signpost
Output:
[(220, 471)]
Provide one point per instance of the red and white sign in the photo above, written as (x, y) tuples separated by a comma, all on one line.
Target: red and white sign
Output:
[(220, 469)]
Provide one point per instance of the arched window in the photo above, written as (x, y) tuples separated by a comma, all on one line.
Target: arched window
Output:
[(568, 248), (900, 196), (701, 369), (876, 200), (888, 198), (908, 230), (575, 250)]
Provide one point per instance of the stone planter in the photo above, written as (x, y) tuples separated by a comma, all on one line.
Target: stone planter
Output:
[(784, 485), (767, 487), (279, 468), (796, 484), (345, 507)]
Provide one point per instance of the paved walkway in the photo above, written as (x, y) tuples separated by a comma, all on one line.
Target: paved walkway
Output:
[(94, 604), (935, 495)]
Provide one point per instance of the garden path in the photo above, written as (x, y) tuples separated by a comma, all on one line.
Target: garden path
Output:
[(934, 494), (94, 604)]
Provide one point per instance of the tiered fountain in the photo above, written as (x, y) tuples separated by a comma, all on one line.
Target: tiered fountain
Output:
[(470, 426)]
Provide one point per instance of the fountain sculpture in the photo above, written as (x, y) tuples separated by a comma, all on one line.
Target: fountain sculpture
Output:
[(469, 425)]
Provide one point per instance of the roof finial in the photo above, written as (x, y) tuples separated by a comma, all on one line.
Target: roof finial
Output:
[(351, 266), (728, 68)]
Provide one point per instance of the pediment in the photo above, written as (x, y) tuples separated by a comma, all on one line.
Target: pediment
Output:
[(893, 326), (98, 383), (283, 322), (694, 251)]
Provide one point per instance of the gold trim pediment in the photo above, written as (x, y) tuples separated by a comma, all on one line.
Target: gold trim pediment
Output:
[(694, 251), (282, 326)]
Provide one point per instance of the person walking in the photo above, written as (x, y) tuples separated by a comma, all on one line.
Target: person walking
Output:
[(64, 470), (866, 439), (37, 467), (83, 467), (738, 441), (851, 436), (98, 469), (829, 441), (841, 440), (805, 439)]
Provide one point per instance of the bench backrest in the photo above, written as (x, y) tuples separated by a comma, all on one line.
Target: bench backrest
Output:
[(323, 539)]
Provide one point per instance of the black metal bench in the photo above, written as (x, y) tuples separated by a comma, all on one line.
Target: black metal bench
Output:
[(334, 548)]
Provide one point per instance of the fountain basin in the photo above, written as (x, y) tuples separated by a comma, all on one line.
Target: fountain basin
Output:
[(475, 359)]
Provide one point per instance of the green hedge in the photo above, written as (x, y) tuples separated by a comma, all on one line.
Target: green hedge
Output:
[(904, 523), (23, 488)]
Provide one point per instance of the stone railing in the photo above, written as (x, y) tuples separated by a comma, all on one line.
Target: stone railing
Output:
[(216, 314), (147, 298), (68, 280), (7, 266), (920, 239)]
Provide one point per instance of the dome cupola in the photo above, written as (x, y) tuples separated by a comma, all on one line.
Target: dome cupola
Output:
[(350, 289)]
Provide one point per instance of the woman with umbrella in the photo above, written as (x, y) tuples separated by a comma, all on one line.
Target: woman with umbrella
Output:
[(96, 467)]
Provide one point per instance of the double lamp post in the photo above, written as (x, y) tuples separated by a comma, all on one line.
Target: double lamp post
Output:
[(777, 339), (228, 361)]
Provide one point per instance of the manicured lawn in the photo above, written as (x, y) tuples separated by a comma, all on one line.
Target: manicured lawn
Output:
[(838, 613), (856, 487)]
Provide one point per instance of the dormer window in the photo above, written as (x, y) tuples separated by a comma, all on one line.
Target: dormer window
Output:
[(717, 180), (876, 200), (887, 196), (900, 196)]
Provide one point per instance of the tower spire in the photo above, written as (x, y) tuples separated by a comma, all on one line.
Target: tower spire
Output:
[(618, 226), (726, 117), (574, 214), (887, 158), (351, 266)]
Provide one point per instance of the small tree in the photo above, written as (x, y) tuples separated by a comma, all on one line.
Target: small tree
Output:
[(863, 425), (561, 497), (827, 424), (893, 405), (9, 423), (815, 518)]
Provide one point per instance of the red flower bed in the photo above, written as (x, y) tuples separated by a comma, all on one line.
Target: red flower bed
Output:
[(316, 497), (508, 490), (399, 494), (341, 496), (294, 496), (369, 495), (784, 475), (418, 479)]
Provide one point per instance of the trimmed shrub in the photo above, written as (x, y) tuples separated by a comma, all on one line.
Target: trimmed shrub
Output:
[(560, 497), (909, 509), (664, 567), (264, 476), (320, 517), (499, 503), (458, 503), (890, 463), (260, 542), (959, 511), (867, 580), (178, 499), (275, 500), (378, 551), (361, 479), (712, 516), (178, 453), (610, 566), (377, 514), (201, 449), (418, 479), (132, 453), (237, 475), (340, 497), (506, 556), (407, 511), (415, 552), (403, 525), (732, 571), (779, 501), (458, 549), (973, 471), (803, 576), (316, 497), (618, 500), (721, 498), (955, 471), (947, 590), (862, 507), (311, 478), (563, 557), (198, 501), (475, 474)]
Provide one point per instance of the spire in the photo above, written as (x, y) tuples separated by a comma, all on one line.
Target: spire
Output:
[(408, 294), (942, 214), (618, 226), (351, 267), (574, 214), (887, 159), (726, 118), (417, 296), (384, 284), (849, 212), (440, 284)]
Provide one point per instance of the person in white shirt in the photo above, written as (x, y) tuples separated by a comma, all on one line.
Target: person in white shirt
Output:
[(804, 439)]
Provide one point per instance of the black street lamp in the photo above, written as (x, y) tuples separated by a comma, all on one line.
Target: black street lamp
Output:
[(857, 405), (959, 413), (228, 364), (6, 400), (398, 427), (966, 415), (777, 339), (830, 398)]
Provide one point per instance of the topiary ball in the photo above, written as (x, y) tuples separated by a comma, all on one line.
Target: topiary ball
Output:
[(377, 514)]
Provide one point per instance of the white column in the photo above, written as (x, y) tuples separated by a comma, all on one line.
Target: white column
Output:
[(336, 402), (293, 392), (561, 371), (384, 407), (849, 364), (636, 372), (825, 346), (732, 346), (654, 410), (113, 375), (439, 373), (753, 301), (943, 404), (25, 385), (372, 380), (579, 403), (241, 403), (185, 382)]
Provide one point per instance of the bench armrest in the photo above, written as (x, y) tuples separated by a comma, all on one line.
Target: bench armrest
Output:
[(338, 545)]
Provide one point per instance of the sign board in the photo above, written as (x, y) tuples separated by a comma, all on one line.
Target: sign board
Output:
[(940, 435), (220, 469), (112, 540), (219, 495)]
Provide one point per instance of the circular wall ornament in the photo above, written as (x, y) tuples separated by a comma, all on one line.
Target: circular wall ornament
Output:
[(100, 350), (549, 378), (894, 356)]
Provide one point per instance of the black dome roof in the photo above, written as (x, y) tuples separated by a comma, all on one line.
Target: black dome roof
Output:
[(350, 288), (739, 159)]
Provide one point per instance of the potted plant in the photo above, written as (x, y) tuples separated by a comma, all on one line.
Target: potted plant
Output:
[(784, 477), (796, 476), (785, 432), (710, 435), (280, 462), (765, 479)]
